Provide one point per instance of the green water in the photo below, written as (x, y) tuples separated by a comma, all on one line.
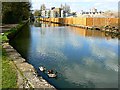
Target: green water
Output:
[(82, 58)]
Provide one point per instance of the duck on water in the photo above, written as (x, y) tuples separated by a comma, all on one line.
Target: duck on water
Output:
[(50, 73), (42, 69)]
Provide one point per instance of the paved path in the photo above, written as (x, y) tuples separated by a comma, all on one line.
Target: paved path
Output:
[(6, 27), (27, 76)]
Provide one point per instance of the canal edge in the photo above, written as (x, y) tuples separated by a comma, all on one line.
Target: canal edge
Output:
[(26, 73), (27, 76)]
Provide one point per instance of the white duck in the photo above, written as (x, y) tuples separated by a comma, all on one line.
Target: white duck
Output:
[(42, 69)]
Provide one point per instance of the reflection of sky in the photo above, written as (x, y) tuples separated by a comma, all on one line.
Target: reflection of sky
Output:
[(87, 61), (92, 72), (103, 62), (107, 53)]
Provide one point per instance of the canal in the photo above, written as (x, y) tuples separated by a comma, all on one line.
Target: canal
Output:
[(82, 58)]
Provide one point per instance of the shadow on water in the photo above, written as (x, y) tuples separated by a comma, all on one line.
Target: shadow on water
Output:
[(24, 43)]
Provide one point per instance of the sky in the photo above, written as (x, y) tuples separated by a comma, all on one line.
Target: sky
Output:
[(78, 5)]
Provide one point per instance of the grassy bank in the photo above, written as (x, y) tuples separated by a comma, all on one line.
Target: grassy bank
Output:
[(9, 73), (10, 34)]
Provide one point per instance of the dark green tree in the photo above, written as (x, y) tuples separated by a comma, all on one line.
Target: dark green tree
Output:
[(15, 12)]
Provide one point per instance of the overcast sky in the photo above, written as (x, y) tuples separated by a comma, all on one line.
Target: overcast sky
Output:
[(78, 5)]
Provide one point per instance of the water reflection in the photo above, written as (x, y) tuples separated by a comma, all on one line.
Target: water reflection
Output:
[(93, 33), (22, 41), (82, 58), (46, 24)]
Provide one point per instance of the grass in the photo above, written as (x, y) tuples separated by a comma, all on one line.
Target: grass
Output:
[(9, 73), (4, 38)]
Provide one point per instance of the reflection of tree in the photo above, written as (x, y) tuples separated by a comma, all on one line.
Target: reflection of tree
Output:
[(112, 35), (42, 31), (22, 41), (37, 24)]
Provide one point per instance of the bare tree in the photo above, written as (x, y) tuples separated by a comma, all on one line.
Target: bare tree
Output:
[(43, 7)]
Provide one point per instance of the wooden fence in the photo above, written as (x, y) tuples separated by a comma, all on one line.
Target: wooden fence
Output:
[(97, 22)]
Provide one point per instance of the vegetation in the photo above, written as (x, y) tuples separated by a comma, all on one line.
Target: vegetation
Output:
[(37, 13), (15, 12), (9, 75), (42, 7), (12, 32), (12, 12)]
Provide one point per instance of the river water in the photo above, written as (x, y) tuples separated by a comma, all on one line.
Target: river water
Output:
[(82, 58)]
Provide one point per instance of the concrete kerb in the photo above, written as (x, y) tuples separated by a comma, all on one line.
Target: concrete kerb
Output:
[(27, 76)]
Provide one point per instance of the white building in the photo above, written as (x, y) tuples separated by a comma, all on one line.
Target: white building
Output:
[(54, 12), (62, 15), (47, 13), (43, 13), (92, 13), (93, 10)]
